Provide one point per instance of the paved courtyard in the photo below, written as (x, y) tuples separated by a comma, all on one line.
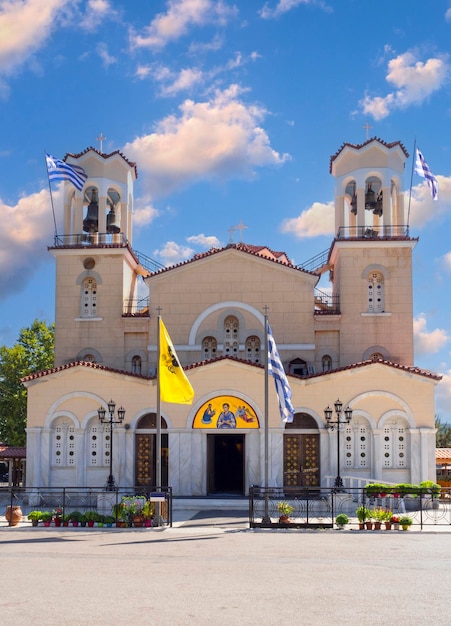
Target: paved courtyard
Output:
[(217, 572)]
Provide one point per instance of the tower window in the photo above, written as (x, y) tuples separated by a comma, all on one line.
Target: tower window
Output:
[(376, 296), (89, 298), (209, 348), (231, 328), (253, 348), (136, 364)]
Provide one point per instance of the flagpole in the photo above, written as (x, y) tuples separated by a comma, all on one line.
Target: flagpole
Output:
[(51, 198), (266, 518), (158, 519), (411, 181)]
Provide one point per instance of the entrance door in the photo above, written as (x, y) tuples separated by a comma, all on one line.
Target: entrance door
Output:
[(145, 460), (301, 460), (225, 464)]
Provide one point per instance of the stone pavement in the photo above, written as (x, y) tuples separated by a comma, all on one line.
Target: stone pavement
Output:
[(217, 571)]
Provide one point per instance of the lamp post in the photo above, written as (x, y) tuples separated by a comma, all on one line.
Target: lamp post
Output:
[(109, 419), (330, 425)]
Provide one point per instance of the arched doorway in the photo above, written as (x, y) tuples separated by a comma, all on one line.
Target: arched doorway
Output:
[(225, 463), (301, 461), (145, 452)]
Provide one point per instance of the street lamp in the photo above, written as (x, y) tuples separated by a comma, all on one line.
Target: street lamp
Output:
[(104, 419), (330, 425)]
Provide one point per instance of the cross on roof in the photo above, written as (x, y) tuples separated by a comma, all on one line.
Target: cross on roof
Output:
[(100, 139), (367, 128)]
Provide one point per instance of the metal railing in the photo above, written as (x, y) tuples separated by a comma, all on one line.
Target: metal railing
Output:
[(69, 499), (134, 307), (317, 507), (373, 232)]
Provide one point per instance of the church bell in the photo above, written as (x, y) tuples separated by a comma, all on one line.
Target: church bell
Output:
[(370, 198), (91, 221), (112, 225)]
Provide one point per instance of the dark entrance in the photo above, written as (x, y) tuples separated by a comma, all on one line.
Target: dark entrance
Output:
[(225, 466)]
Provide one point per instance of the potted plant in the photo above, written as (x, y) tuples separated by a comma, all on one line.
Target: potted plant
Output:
[(133, 506), (405, 522), (47, 517), (284, 509), (341, 520), (395, 521), (378, 514), (387, 519), (83, 521), (57, 516), (363, 514), (65, 518), (34, 517), (74, 517), (109, 521), (100, 519), (91, 518), (120, 515), (148, 511)]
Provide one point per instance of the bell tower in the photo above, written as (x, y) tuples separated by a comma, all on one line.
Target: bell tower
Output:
[(371, 256), (102, 310)]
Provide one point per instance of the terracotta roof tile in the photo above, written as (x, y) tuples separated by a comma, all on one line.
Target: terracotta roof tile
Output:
[(103, 155), (361, 145), (242, 247), (12, 452)]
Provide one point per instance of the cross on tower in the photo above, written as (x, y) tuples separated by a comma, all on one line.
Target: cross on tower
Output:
[(100, 139), (367, 128)]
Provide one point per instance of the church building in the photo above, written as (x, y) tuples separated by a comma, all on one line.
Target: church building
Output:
[(351, 340)]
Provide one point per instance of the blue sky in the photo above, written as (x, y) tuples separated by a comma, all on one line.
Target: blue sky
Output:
[(232, 111)]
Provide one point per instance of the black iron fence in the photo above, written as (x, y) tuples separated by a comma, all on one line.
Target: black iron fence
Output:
[(63, 501), (314, 507)]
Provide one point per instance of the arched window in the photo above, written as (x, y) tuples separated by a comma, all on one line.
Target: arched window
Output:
[(89, 358), (64, 443), (377, 356), (357, 445), (253, 346), (394, 445), (209, 348), (326, 363), (89, 298), (376, 298), (231, 328), (136, 364), (99, 445)]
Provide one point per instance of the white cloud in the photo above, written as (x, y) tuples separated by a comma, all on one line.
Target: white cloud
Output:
[(422, 208), (414, 81), (172, 253), (204, 241), (144, 213), (97, 11), (448, 15), (319, 219), (23, 244), (180, 16), (428, 342), (25, 25), (218, 139), (283, 6), (185, 80), (102, 51)]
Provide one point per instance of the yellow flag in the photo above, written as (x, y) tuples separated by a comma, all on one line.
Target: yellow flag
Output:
[(174, 385)]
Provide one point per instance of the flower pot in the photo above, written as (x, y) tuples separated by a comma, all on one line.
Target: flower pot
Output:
[(13, 515), (75, 523), (66, 524), (47, 524), (377, 525), (57, 521), (405, 527), (147, 523), (34, 522), (361, 525), (284, 519), (369, 525), (121, 524), (90, 523), (138, 521), (387, 525), (395, 526)]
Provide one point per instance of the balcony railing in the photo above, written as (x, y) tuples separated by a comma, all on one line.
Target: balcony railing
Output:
[(326, 304), (134, 307), (373, 232), (90, 239)]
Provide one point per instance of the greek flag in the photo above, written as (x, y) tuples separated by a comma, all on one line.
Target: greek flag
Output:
[(275, 368), (59, 170), (422, 169)]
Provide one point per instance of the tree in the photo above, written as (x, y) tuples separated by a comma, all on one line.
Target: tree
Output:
[(33, 352), (443, 435)]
